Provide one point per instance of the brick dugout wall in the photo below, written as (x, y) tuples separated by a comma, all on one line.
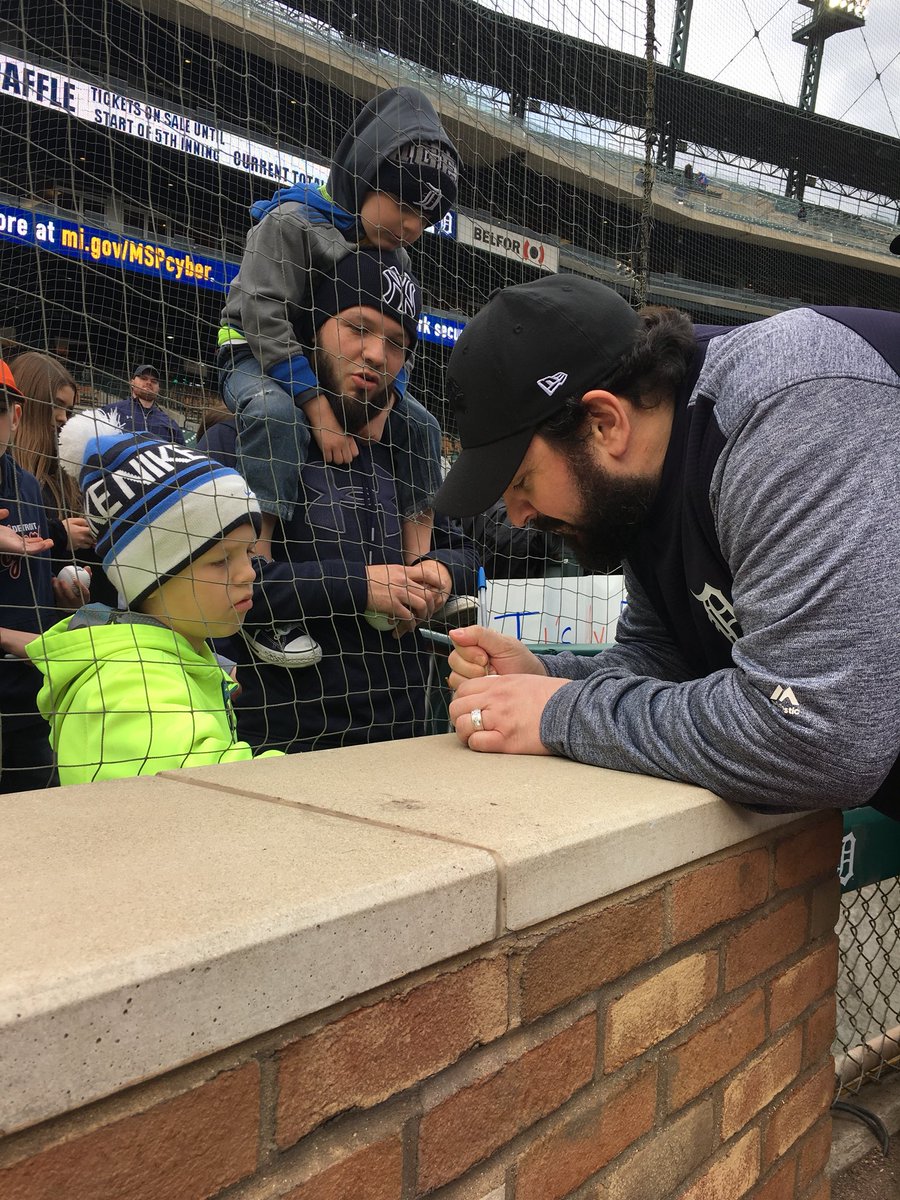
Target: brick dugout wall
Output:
[(672, 1041)]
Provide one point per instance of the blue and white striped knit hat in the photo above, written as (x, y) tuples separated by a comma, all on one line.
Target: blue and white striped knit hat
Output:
[(153, 506)]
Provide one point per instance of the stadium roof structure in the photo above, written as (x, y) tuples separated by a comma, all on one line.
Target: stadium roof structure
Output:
[(464, 39)]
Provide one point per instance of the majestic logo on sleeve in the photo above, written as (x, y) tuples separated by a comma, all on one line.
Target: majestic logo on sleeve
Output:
[(552, 383), (399, 291), (786, 700), (720, 611)]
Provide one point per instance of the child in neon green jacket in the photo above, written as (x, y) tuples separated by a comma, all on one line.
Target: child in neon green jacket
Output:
[(138, 691)]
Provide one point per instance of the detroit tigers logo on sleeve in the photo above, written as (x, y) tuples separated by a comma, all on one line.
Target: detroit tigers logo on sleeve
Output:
[(720, 611)]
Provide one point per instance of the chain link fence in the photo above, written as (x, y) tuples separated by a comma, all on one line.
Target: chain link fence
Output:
[(867, 1045)]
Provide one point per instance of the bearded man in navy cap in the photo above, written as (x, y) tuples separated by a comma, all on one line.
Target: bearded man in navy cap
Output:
[(339, 565)]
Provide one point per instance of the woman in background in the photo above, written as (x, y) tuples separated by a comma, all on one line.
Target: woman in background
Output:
[(50, 394)]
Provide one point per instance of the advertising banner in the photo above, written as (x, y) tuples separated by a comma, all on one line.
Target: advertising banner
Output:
[(496, 239), (107, 249), (440, 331), (179, 131), (162, 126)]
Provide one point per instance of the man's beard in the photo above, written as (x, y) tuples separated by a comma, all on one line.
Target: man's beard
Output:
[(614, 513), (352, 413)]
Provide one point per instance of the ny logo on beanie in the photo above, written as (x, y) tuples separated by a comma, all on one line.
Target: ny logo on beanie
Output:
[(366, 279), (401, 292)]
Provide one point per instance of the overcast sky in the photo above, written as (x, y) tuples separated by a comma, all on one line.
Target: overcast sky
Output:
[(722, 46)]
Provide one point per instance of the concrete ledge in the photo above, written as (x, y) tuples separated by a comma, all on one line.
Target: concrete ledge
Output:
[(563, 834), (155, 921)]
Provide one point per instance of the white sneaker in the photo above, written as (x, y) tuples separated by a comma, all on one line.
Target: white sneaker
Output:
[(280, 646)]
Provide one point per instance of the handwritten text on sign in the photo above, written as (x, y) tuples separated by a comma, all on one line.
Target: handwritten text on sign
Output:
[(568, 610)]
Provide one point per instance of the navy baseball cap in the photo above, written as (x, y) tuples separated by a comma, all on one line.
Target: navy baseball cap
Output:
[(517, 362), (144, 369)]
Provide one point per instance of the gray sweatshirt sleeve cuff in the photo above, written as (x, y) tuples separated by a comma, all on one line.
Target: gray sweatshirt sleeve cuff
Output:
[(568, 666), (557, 714)]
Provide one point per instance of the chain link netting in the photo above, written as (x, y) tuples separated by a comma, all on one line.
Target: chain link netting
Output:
[(867, 1045)]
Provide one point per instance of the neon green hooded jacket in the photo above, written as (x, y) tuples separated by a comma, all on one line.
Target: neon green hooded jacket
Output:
[(132, 697)]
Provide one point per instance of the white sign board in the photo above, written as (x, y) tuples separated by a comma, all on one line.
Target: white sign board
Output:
[(140, 118), (496, 239), (566, 610), (178, 131)]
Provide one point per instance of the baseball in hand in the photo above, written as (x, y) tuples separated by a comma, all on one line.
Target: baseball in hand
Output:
[(70, 574)]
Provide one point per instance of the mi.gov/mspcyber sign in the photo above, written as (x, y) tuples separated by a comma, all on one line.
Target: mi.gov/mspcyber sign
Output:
[(105, 248)]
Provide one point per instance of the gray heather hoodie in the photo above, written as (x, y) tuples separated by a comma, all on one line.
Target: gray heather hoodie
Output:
[(805, 497)]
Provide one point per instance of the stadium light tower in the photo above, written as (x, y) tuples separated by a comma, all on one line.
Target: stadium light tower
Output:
[(680, 31), (825, 18), (669, 142)]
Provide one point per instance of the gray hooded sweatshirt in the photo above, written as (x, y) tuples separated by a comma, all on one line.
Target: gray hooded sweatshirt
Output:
[(804, 497)]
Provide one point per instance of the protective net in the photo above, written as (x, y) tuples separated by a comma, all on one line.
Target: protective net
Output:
[(867, 1046), (658, 150)]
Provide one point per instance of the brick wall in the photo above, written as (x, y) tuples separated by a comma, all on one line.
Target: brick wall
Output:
[(669, 1043)]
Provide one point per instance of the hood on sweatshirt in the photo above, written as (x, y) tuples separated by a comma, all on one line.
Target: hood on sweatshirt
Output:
[(319, 209), (398, 117), (68, 654)]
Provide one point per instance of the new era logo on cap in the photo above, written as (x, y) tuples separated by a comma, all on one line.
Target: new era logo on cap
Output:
[(552, 383)]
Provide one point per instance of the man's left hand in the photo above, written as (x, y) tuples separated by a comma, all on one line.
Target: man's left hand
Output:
[(511, 707)]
